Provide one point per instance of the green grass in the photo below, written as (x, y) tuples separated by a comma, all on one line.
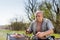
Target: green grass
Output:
[(3, 34), (56, 35)]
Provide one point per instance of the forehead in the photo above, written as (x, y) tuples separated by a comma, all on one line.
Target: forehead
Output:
[(39, 13)]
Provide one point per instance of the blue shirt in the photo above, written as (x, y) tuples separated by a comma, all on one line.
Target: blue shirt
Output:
[(46, 25)]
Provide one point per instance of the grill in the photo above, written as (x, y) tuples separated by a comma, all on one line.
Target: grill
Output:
[(9, 37)]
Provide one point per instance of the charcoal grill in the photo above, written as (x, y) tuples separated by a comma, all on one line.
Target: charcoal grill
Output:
[(9, 37)]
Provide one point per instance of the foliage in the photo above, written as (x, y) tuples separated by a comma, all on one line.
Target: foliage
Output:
[(47, 11), (50, 9), (18, 26)]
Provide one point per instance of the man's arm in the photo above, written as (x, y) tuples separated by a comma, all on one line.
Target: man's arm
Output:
[(29, 30), (43, 34), (48, 32), (50, 28)]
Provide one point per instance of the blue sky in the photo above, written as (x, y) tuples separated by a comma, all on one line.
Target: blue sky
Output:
[(9, 9)]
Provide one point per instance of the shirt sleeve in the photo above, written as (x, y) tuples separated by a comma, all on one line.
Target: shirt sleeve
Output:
[(30, 27), (49, 25)]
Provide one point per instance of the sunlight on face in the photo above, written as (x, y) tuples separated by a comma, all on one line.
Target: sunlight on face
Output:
[(39, 16)]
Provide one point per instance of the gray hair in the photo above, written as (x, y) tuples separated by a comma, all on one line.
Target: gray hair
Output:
[(41, 12)]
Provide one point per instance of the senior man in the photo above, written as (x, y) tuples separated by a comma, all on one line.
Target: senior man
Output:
[(41, 27)]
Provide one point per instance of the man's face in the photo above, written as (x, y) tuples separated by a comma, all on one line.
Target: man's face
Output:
[(39, 16)]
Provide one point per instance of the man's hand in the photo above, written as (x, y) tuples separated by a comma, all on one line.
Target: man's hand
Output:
[(27, 31), (40, 34)]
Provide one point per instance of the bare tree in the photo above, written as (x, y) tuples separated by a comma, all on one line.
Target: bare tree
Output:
[(30, 8)]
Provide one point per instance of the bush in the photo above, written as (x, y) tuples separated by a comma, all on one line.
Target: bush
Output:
[(18, 26)]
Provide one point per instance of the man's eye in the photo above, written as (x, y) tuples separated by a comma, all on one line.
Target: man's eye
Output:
[(37, 16)]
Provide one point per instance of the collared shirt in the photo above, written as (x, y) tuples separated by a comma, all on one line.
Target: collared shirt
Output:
[(46, 25)]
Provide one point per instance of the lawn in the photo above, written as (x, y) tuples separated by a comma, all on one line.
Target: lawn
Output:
[(3, 34)]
